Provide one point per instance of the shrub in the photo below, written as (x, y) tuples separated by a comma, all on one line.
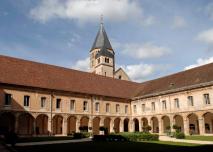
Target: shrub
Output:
[(146, 128), (83, 128), (80, 135), (140, 136), (179, 135)]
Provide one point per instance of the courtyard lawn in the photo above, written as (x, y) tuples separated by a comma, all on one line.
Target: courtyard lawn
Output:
[(157, 146), (203, 138), (38, 139)]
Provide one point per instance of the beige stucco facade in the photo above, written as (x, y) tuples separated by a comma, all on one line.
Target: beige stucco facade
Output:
[(101, 111)]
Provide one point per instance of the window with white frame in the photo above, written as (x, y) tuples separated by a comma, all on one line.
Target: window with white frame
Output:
[(8, 99), (164, 105), (190, 101), (26, 101), (126, 109), (117, 108), (206, 98), (43, 102), (97, 106), (135, 108), (72, 105), (153, 106), (143, 108), (107, 107), (177, 104), (85, 106)]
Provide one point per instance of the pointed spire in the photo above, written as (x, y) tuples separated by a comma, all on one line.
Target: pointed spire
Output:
[(101, 40)]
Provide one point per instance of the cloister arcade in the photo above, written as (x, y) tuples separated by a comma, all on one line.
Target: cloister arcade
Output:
[(28, 124)]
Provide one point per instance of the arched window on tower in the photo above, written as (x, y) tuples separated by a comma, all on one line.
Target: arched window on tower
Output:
[(106, 60)]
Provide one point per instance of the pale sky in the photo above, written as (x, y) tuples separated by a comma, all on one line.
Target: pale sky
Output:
[(151, 38)]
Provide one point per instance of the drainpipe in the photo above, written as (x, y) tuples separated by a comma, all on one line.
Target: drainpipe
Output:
[(51, 111)]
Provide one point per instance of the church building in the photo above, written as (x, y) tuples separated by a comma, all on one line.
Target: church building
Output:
[(38, 99)]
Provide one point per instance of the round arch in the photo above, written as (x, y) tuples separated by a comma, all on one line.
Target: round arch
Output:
[(208, 121), (42, 124), (57, 124), (7, 120), (136, 125), (166, 124), (117, 125), (155, 125), (193, 123), (26, 124), (71, 124)]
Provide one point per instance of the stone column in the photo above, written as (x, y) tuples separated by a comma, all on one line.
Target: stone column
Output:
[(151, 124), (78, 123), (131, 125), (90, 124), (64, 129), (34, 127), (121, 125), (140, 125), (186, 126), (112, 126), (101, 125), (201, 125), (172, 122), (160, 126), (16, 124), (49, 125)]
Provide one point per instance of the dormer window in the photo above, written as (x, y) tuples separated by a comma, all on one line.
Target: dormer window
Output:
[(119, 77)]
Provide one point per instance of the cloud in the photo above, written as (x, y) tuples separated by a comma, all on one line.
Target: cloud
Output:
[(200, 62), (86, 10), (82, 65), (139, 72), (146, 50), (150, 20), (179, 22), (206, 36), (209, 10)]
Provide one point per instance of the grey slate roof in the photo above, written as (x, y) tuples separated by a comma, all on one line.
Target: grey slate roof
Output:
[(104, 52), (101, 40)]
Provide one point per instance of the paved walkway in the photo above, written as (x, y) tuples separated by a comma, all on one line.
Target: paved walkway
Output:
[(53, 142), (166, 138)]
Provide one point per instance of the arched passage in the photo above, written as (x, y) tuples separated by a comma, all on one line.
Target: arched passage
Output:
[(41, 124), (57, 124), (208, 119), (96, 126), (71, 124), (126, 125), (193, 124), (166, 124), (117, 125), (26, 124), (136, 124), (144, 122), (7, 122), (179, 122), (84, 124), (107, 124), (155, 125)]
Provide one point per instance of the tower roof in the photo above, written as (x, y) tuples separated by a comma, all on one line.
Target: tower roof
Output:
[(101, 40)]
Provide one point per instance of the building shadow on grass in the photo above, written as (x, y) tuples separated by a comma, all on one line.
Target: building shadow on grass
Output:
[(115, 146)]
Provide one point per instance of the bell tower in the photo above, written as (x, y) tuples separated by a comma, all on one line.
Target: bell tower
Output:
[(102, 55)]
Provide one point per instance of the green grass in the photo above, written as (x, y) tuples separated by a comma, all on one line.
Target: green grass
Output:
[(157, 146), (203, 138), (38, 139)]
